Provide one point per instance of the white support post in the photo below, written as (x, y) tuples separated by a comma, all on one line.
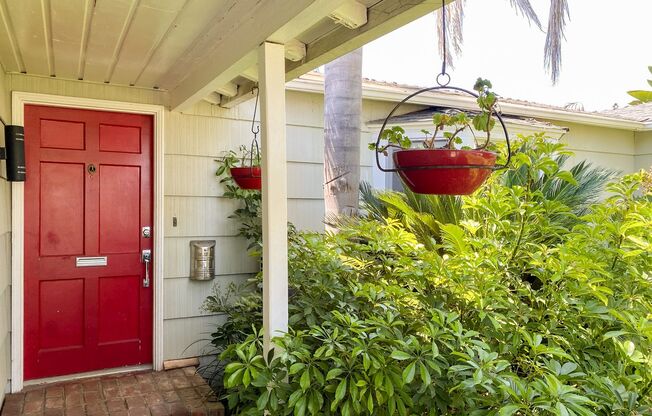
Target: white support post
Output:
[(271, 68)]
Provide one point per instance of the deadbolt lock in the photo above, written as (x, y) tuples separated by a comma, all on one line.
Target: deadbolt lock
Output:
[(147, 232)]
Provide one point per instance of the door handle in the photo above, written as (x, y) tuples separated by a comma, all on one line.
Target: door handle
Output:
[(146, 257)]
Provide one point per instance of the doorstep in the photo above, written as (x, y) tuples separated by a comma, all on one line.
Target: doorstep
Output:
[(148, 393)]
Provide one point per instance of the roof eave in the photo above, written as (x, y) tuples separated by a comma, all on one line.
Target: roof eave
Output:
[(315, 83), (522, 127)]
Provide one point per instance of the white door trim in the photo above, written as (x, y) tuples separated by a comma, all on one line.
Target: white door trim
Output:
[(19, 100)]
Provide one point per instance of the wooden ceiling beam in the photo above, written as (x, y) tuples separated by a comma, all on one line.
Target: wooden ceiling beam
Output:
[(230, 89), (382, 18), (251, 74), (245, 93), (213, 98), (351, 14), (234, 51)]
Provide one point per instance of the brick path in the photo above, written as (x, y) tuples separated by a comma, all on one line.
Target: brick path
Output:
[(174, 392)]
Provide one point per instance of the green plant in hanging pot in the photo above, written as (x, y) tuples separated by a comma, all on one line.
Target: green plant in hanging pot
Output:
[(452, 168), (243, 166)]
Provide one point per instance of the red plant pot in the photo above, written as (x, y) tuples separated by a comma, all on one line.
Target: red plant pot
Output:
[(247, 178), (443, 180)]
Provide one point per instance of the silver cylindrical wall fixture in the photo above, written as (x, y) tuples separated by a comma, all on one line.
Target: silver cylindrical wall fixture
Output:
[(202, 259)]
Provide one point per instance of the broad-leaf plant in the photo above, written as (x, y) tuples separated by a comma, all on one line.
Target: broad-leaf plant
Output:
[(524, 305)]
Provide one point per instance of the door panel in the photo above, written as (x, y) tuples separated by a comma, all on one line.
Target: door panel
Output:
[(123, 139), (119, 301), (88, 194), (62, 135), (119, 223), (62, 313), (62, 209)]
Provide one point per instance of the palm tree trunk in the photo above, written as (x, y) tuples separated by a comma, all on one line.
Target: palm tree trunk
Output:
[(342, 115)]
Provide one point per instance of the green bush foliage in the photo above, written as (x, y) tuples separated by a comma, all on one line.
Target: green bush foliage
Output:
[(522, 308)]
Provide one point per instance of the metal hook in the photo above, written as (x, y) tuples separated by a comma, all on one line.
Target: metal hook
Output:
[(254, 142), (253, 119)]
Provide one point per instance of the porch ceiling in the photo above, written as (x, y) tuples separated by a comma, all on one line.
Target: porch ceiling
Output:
[(193, 48)]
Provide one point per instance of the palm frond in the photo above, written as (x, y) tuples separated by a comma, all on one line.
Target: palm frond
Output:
[(423, 215), (558, 17), (525, 8), (454, 31), (369, 202), (591, 181), (557, 20)]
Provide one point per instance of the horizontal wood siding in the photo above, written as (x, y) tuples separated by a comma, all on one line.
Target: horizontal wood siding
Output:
[(189, 337), (72, 88), (193, 195), (643, 158)]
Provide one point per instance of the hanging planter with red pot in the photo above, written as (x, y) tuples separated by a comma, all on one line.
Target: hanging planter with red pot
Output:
[(247, 177), (250, 177), (444, 171)]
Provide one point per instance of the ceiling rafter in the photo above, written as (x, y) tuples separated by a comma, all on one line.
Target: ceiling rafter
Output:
[(46, 15), (251, 73), (351, 14), (89, 7), (213, 98), (205, 40), (156, 47), (245, 93), (15, 49), (121, 40), (230, 89)]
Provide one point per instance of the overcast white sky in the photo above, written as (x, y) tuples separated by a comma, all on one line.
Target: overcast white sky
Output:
[(607, 50)]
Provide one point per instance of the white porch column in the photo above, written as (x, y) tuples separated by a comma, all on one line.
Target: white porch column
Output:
[(271, 69)]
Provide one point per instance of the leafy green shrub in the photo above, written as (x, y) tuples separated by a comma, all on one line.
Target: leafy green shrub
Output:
[(248, 213), (522, 308), (423, 214)]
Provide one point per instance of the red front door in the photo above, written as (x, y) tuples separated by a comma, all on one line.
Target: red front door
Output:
[(88, 196)]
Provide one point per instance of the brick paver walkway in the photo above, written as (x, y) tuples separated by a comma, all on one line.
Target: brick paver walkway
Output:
[(174, 392)]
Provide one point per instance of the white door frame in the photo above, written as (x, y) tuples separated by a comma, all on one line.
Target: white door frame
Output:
[(19, 100)]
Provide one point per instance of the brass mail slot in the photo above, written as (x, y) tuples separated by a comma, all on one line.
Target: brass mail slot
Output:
[(91, 261)]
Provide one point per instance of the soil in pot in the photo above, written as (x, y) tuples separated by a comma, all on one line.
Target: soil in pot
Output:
[(247, 177), (444, 181)]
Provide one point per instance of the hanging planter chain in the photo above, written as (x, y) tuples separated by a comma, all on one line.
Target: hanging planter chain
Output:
[(443, 79), (254, 130)]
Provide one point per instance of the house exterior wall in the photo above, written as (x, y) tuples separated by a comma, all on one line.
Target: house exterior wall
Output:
[(193, 140), (643, 145), (606, 147), (5, 255)]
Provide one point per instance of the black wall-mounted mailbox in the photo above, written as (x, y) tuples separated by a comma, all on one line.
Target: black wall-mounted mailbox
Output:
[(14, 153)]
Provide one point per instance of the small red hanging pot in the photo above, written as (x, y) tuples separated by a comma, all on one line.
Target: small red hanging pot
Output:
[(249, 177)]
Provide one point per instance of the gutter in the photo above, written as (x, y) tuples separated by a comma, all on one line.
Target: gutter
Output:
[(523, 126), (314, 83)]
